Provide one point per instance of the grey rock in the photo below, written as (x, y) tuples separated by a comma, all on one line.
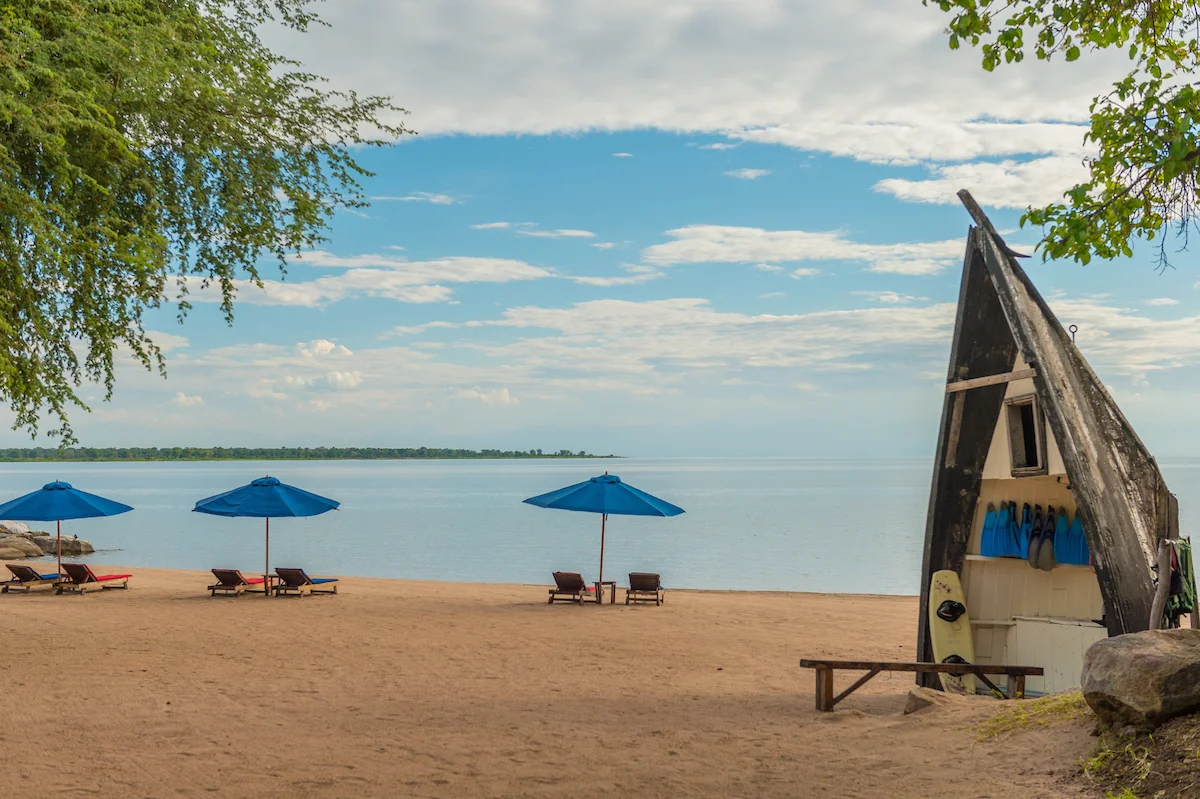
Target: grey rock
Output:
[(1143, 679), (70, 546), (21, 544), (14, 528)]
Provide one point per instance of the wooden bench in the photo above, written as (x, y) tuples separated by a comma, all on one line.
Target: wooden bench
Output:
[(825, 669)]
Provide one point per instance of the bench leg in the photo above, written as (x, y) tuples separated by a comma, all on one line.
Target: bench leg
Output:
[(1020, 680), (824, 689)]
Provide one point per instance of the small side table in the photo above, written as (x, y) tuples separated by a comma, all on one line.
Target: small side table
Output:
[(612, 595)]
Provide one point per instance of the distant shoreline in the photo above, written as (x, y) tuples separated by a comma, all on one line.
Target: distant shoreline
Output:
[(206, 454)]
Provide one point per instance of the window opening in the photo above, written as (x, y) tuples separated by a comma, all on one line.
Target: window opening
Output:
[(1026, 436)]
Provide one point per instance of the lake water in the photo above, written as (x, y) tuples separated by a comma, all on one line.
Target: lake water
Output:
[(757, 524)]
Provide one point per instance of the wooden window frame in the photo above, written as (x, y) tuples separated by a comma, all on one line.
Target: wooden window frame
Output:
[(1039, 429)]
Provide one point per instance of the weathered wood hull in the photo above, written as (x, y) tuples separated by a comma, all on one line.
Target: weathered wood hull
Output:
[(1120, 493)]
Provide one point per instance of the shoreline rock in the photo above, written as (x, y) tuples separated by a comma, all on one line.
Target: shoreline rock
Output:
[(40, 543), (1143, 679)]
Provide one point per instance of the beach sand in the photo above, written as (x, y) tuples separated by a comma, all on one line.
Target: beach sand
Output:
[(397, 688)]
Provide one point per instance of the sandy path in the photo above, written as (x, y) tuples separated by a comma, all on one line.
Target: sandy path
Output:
[(399, 688)]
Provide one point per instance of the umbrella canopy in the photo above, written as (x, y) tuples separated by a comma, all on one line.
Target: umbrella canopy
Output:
[(608, 495), (264, 498), (605, 494), (57, 501)]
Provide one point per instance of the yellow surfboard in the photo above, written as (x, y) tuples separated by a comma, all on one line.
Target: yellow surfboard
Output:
[(951, 638)]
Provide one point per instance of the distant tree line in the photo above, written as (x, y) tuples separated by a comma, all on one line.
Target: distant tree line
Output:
[(272, 454)]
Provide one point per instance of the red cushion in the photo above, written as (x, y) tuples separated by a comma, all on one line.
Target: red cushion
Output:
[(253, 580), (104, 577)]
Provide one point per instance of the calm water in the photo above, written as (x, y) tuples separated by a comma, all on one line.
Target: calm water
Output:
[(797, 525)]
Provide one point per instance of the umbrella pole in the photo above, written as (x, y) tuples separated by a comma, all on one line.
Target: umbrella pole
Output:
[(58, 529), (267, 563), (603, 519)]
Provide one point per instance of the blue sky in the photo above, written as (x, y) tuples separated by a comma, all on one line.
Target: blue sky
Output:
[(710, 228)]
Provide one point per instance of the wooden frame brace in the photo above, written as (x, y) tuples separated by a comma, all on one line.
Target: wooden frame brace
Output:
[(990, 380)]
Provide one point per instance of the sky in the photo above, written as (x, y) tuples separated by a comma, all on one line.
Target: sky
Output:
[(697, 228)]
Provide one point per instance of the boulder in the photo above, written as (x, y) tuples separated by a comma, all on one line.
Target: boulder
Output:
[(21, 544), (14, 528), (70, 546), (1143, 679), (11, 554)]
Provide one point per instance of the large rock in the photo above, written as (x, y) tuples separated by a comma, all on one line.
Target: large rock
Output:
[(19, 544), (70, 546), (1143, 679), (14, 528)]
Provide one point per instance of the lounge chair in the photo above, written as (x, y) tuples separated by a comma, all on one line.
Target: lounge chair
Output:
[(644, 587), (80, 579), (570, 587), (26, 578), (232, 581), (296, 581)]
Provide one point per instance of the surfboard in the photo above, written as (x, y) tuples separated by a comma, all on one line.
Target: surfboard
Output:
[(951, 638)]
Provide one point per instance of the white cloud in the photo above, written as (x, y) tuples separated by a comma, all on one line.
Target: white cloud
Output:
[(604, 245), (716, 66), (805, 271), (320, 347), (926, 140), (491, 226), (558, 234), (747, 174), (726, 244), (721, 145), (627, 337), (343, 381), (1117, 340), (497, 396), (1162, 301), (386, 276), (168, 342), (805, 386), (771, 295), (188, 402), (622, 155), (418, 197), (890, 297), (1007, 184), (768, 267)]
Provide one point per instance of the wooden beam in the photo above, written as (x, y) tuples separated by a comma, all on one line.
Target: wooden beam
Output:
[(926, 668), (982, 344), (990, 380)]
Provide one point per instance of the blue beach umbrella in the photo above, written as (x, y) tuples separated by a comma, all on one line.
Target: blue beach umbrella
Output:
[(605, 495), (58, 501), (265, 498)]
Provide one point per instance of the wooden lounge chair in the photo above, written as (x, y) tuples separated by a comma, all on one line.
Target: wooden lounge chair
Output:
[(296, 581), (80, 579), (644, 587), (232, 581), (570, 587), (26, 578)]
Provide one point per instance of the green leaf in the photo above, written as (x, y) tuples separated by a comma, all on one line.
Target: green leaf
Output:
[(144, 143)]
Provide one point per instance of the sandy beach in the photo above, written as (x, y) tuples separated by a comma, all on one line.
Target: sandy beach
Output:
[(396, 688)]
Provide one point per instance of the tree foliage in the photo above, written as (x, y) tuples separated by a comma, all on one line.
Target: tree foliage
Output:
[(147, 146), (1146, 130)]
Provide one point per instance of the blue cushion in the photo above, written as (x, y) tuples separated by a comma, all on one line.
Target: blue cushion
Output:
[(319, 580)]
